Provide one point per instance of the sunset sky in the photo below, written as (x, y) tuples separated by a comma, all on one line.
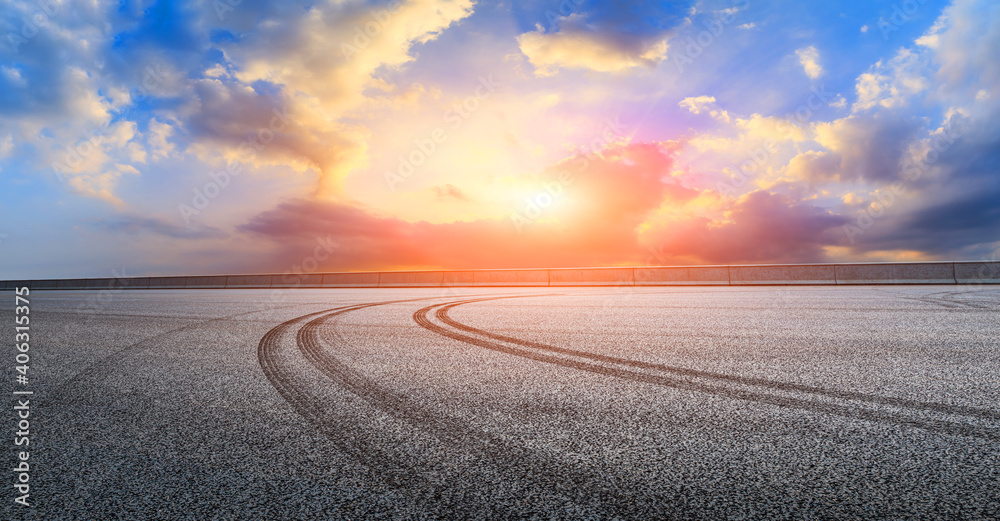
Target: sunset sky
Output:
[(237, 137)]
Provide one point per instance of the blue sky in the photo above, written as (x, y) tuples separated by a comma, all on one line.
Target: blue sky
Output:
[(207, 137)]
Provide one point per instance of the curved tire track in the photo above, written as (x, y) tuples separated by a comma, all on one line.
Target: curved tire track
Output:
[(531, 468), (623, 368), (312, 407)]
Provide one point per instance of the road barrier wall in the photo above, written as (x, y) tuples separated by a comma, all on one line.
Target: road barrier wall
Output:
[(682, 276), (954, 273), (592, 277), (809, 274), (350, 280), (510, 278), (977, 272)]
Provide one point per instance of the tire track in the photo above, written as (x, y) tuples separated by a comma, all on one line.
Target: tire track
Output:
[(623, 369), (943, 299), (530, 468), (959, 410), (952, 297), (311, 407)]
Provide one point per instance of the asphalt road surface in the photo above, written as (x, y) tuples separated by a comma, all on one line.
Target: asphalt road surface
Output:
[(549, 403)]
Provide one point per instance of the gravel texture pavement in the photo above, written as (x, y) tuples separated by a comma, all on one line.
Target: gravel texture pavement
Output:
[(548, 403)]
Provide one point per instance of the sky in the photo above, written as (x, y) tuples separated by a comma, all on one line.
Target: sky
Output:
[(229, 136)]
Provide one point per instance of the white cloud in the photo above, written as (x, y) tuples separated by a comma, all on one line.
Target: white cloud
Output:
[(91, 166), (893, 83), (809, 59), (331, 52), (697, 104), (158, 136), (575, 45), (324, 60)]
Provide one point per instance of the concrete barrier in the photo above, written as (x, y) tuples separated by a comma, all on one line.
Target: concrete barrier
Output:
[(662, 276), (100, 284), (398, 279), (966, 272), (924, 273), (301, 280), (457, 278), (863, 274), (131, 283), (682, 276), (810, 274), (592, 277), (205, 282), (907, 273), (45, 284), (350, 280), (710, 275), (249, 281), (166, 282), (977, 272), (510, 278)]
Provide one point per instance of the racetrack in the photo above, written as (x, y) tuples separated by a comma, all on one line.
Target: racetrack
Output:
[(690, 403)]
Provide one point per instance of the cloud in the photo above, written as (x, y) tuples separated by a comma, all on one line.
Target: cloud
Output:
[(159, 135), (6, 145), (758, 227), (863, 148), (328, 53), (342, 90), (606, 196), (964, 42), (202, 81), (809, 59), (892, 84), (450, 192), (317, 65), (134, 224), (621, 198), (91, 167), (697, 104), (576, 46), (611, 38), (233, 123)]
